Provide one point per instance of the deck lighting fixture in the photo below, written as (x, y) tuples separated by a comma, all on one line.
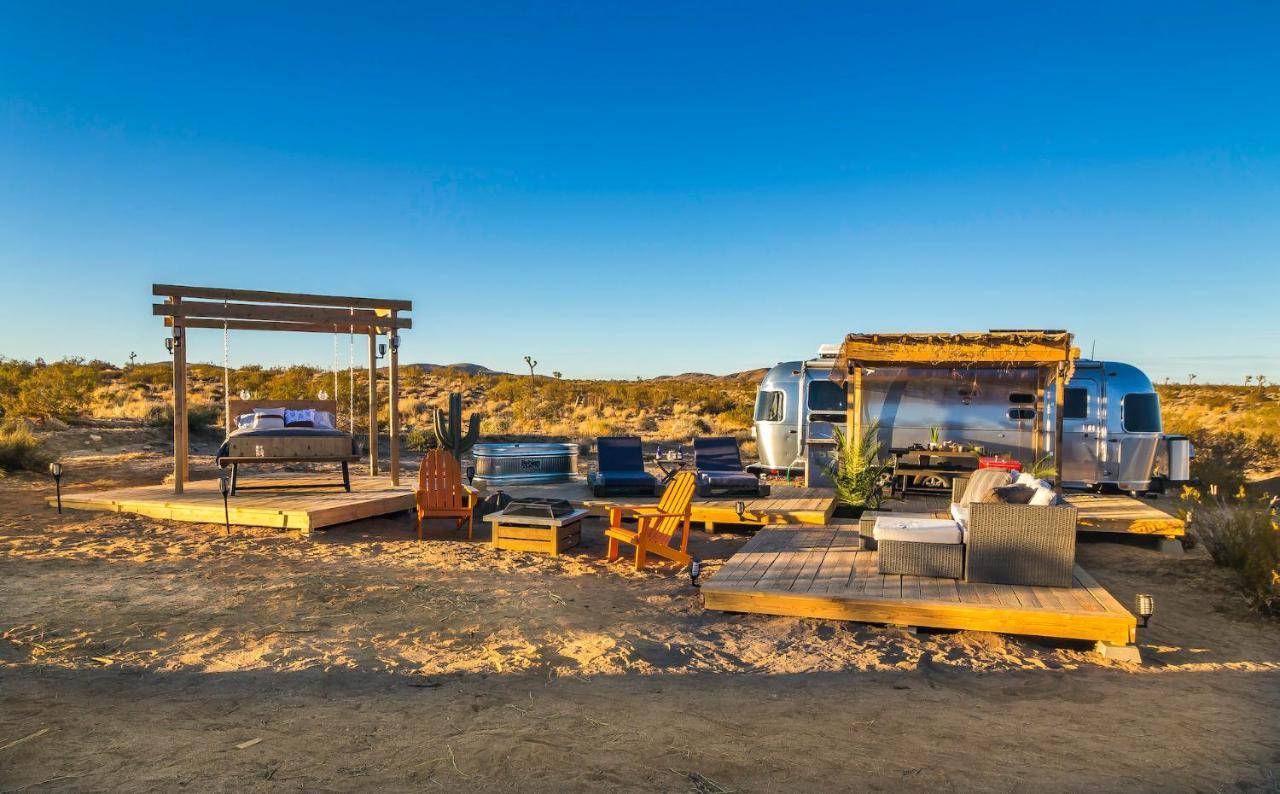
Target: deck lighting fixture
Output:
[(323, 395), (395, 342), (471, 474), (695, 570), (382, 350), (1145, 604), (55, 471), (224, 485), (740, 508), (245, 394)]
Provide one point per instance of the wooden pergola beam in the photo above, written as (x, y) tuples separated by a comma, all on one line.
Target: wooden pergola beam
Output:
[(262, 325), (340, 318), (259, 296)]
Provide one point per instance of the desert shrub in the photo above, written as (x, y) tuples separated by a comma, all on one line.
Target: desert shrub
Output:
[(420, 439), (45, 390), (1223, 459), (1243, 535), (153, 375), (20, 449), (201, 417)]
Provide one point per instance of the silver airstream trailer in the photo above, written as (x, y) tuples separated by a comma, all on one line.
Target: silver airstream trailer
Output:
[(1112, 433)]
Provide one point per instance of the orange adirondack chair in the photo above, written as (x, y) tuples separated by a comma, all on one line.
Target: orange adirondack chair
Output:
[(442, 493), (657, 525)]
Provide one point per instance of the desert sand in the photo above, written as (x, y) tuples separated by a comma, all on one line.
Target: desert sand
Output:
[(138, 654)]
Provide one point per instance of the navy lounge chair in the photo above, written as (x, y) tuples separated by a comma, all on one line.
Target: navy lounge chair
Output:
[(621, 468), (720, 471)]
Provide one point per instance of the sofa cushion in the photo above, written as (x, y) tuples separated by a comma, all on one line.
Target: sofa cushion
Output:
[(917, 530), (608, 478), (960, 514), (1043, 497), (981, 483), (1011, 494)]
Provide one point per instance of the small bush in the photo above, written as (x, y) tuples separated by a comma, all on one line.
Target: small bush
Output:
[(20, 449), (1224, 459), (45, 390), (200, 417), (420, 439), (1243, 535)]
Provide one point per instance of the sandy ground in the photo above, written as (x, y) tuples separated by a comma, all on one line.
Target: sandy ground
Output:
[(138, 654)]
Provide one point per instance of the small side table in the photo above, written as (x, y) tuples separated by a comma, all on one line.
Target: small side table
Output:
[(669, 466), (537, 533)]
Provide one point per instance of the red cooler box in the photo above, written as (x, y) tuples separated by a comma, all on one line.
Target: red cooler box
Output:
[(999, 463)]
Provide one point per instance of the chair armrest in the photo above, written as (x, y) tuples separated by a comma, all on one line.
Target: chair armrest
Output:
[(470, 495)]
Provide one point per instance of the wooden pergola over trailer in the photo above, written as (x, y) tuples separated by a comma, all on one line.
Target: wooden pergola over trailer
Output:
[(1048, 352), (255, 310)]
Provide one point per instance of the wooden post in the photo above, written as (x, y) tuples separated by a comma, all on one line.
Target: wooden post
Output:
[(393, 402), (373, 403), (855, 408), (1037, 424), (180, 470), (1058, 389)]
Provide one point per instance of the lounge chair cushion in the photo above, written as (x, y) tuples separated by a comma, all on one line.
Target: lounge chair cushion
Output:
[(716, 454), (917, 530), (625, 478), (960, 514), (728, 479), (981, 484), (1012, 494), (619, 453)]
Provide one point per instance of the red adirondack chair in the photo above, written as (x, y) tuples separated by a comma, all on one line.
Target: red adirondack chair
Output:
[(442, 493)]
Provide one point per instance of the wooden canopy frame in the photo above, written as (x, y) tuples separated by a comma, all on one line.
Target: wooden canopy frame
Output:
[(254, 310), (1050, 353)]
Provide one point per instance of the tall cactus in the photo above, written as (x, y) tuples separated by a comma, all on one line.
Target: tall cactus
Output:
[(449, 428)]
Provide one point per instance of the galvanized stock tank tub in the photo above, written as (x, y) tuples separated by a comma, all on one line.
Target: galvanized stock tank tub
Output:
[(524, 464)]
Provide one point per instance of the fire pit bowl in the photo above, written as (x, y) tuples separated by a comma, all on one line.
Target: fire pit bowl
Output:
[(524, 464)]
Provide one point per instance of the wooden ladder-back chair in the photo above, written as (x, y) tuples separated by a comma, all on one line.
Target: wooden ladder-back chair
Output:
[(442, 493), (656, 525)]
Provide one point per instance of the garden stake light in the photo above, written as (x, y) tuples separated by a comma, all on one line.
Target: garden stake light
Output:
[(224, 485), (55, 471), (1145, 604)]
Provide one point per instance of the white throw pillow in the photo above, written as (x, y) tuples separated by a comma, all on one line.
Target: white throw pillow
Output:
[(244, 420), (960, 514), (1024, 478), (1043, 497), (323, 419), (265, 421)]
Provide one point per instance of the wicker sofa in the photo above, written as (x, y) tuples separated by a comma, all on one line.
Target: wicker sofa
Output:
[(1018, 544), (1001, 543)]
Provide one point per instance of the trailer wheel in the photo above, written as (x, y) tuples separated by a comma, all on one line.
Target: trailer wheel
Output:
[(935, 481)]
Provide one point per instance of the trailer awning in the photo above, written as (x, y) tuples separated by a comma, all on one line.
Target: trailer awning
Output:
[(988, 350)]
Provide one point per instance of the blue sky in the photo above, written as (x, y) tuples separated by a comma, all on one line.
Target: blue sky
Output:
[(646, 189)]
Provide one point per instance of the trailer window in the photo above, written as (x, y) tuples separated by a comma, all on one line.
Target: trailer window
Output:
[(1021, 414), (1141, 413), (769, 406), (826, 396), (1022, 398), (1075, 404)]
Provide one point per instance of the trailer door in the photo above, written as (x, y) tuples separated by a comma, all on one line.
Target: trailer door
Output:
[(1084, 433)]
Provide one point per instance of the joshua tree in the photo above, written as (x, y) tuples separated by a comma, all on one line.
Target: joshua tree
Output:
[(1191, 378), (1248, 379), (529, 360), (1262, 381), (556, 375), (133, 357)]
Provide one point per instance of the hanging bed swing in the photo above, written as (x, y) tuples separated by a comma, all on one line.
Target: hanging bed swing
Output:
[(261, 431)]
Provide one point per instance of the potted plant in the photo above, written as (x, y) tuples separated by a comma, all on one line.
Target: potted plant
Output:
[(856, 472), (935, 438)]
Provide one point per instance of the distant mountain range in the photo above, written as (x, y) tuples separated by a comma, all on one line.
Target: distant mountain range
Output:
[(750, 375)]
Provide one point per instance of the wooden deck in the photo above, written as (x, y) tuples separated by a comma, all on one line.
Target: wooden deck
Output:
[(302, 509), (824, 573), (784, 505)]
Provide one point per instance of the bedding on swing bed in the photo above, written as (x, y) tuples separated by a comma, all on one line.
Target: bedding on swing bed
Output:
[(287, 435)]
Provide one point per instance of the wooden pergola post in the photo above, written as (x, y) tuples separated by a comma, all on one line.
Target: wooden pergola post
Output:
[(854, 408), (180, 445), (373, 403), (393, 400), (1059, 388)]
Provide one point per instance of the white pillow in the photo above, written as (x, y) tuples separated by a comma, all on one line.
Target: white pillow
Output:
[(1043, 497), (279, 411), (960, 514), (1025, 478), (244, 420), (323, 419), (264, 421)]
